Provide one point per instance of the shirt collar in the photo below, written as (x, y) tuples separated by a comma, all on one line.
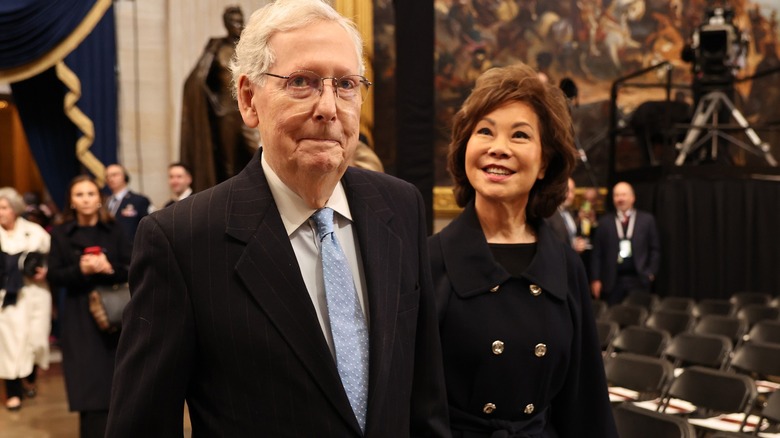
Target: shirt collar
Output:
[(184, 194), (292, 208), (621, 216), (121, 194)]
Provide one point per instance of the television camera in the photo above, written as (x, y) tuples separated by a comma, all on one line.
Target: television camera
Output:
[(717, 51), (718, 48)]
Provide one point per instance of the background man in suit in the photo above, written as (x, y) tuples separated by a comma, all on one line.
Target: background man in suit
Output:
[(180, 182), (231, 309), (127, 207), (626, 249), (564, 221)]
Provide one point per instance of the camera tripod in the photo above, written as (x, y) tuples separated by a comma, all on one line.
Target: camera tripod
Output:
[(707, 109)]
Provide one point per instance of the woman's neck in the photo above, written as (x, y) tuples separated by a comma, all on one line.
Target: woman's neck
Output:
[(87, 220), (504, 222)]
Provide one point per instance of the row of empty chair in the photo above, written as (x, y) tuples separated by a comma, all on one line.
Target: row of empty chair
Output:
[(638, 422), (683, 366)]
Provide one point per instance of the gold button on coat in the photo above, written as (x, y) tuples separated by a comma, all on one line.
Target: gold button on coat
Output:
[(498, 347), (535, 290), (540, 350), (488, 408), (495, 288), (529, 408)]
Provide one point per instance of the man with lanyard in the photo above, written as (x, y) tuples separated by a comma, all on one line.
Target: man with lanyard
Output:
[(626, 249)]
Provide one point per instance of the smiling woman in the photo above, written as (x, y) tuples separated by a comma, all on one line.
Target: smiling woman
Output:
[(499, 266)]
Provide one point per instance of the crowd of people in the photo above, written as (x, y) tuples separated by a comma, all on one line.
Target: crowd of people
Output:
[(49, 262), (306, 286)]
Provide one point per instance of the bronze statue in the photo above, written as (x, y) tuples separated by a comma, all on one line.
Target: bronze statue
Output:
[(215, 142)]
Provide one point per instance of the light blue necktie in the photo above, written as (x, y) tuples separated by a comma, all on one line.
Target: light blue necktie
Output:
[(347, 323)]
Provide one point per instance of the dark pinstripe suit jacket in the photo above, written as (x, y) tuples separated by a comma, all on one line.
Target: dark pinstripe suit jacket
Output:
[(220, 316)]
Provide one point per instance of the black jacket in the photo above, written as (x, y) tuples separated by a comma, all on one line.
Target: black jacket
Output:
[(546, 379)]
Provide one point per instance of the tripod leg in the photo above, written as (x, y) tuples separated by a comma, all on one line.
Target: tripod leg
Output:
[(700, 118), (751, 133)]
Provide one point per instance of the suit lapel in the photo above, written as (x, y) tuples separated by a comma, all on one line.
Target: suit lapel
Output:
[(270, 272), (380, 250)]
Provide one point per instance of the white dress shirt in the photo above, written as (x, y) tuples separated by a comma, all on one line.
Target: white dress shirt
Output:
[(302, 231)]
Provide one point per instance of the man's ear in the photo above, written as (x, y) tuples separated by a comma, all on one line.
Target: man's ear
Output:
[(245, 103)]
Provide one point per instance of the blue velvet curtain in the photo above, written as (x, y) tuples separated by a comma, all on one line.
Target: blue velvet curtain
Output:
[(30, 29)]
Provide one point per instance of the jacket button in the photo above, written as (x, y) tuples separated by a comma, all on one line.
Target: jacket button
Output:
[(498, 347), (540, 350), (535, 290), (488, 408), (529, 408), (495, 288)]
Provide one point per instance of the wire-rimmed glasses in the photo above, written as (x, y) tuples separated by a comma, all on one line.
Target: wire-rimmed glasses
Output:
[(303, 84)]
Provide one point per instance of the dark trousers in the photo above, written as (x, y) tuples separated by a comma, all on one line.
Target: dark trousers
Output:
[(13, 388), (623, 285), (92, 424)]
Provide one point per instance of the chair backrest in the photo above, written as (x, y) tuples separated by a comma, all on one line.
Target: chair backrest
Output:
[(771, 410), (641, 298), (607, 331), (625, 315), (712, 306), (646, 341), (684, 304), (635, 422), (765, 331), (647, 375), (673, 321), (759, 358), (753, 313), (741, 299), (711, 351), (728, 326), (599, 308), (713, 390)]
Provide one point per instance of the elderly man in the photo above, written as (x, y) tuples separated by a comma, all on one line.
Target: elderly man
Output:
[(626, 249), (294, 299)]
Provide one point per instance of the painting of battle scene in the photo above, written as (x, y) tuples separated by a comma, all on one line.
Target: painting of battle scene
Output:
[(592, 43)]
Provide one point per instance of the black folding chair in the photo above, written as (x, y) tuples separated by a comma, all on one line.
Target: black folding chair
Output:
[(728, 326), (646, 375), (770, 412), (713, 392), (599, 308), (760, 359), (753, 313), (711, 351), (625, 315), (673, 321), (765, 331), (684, 304), (712, 306), (607, 331), (646, 341), (641, 298), (742, 299), (635, 422)]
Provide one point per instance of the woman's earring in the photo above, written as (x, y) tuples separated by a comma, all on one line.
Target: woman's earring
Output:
[(99, 205)]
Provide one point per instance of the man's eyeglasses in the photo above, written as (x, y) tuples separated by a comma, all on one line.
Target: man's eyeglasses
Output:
[(303, 84)]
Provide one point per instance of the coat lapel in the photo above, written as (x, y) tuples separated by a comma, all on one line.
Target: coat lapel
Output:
[(381, 253), (270, 272)]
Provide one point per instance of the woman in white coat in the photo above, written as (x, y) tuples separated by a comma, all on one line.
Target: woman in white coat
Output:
[(25, 315)]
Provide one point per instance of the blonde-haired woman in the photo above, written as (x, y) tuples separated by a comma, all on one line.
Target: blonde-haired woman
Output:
[(25, 315)]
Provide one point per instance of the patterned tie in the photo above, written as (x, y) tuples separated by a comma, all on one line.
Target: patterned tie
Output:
[(347, 323)]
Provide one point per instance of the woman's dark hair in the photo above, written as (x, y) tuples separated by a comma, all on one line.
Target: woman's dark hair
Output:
[(518, 83), (69, 213)]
